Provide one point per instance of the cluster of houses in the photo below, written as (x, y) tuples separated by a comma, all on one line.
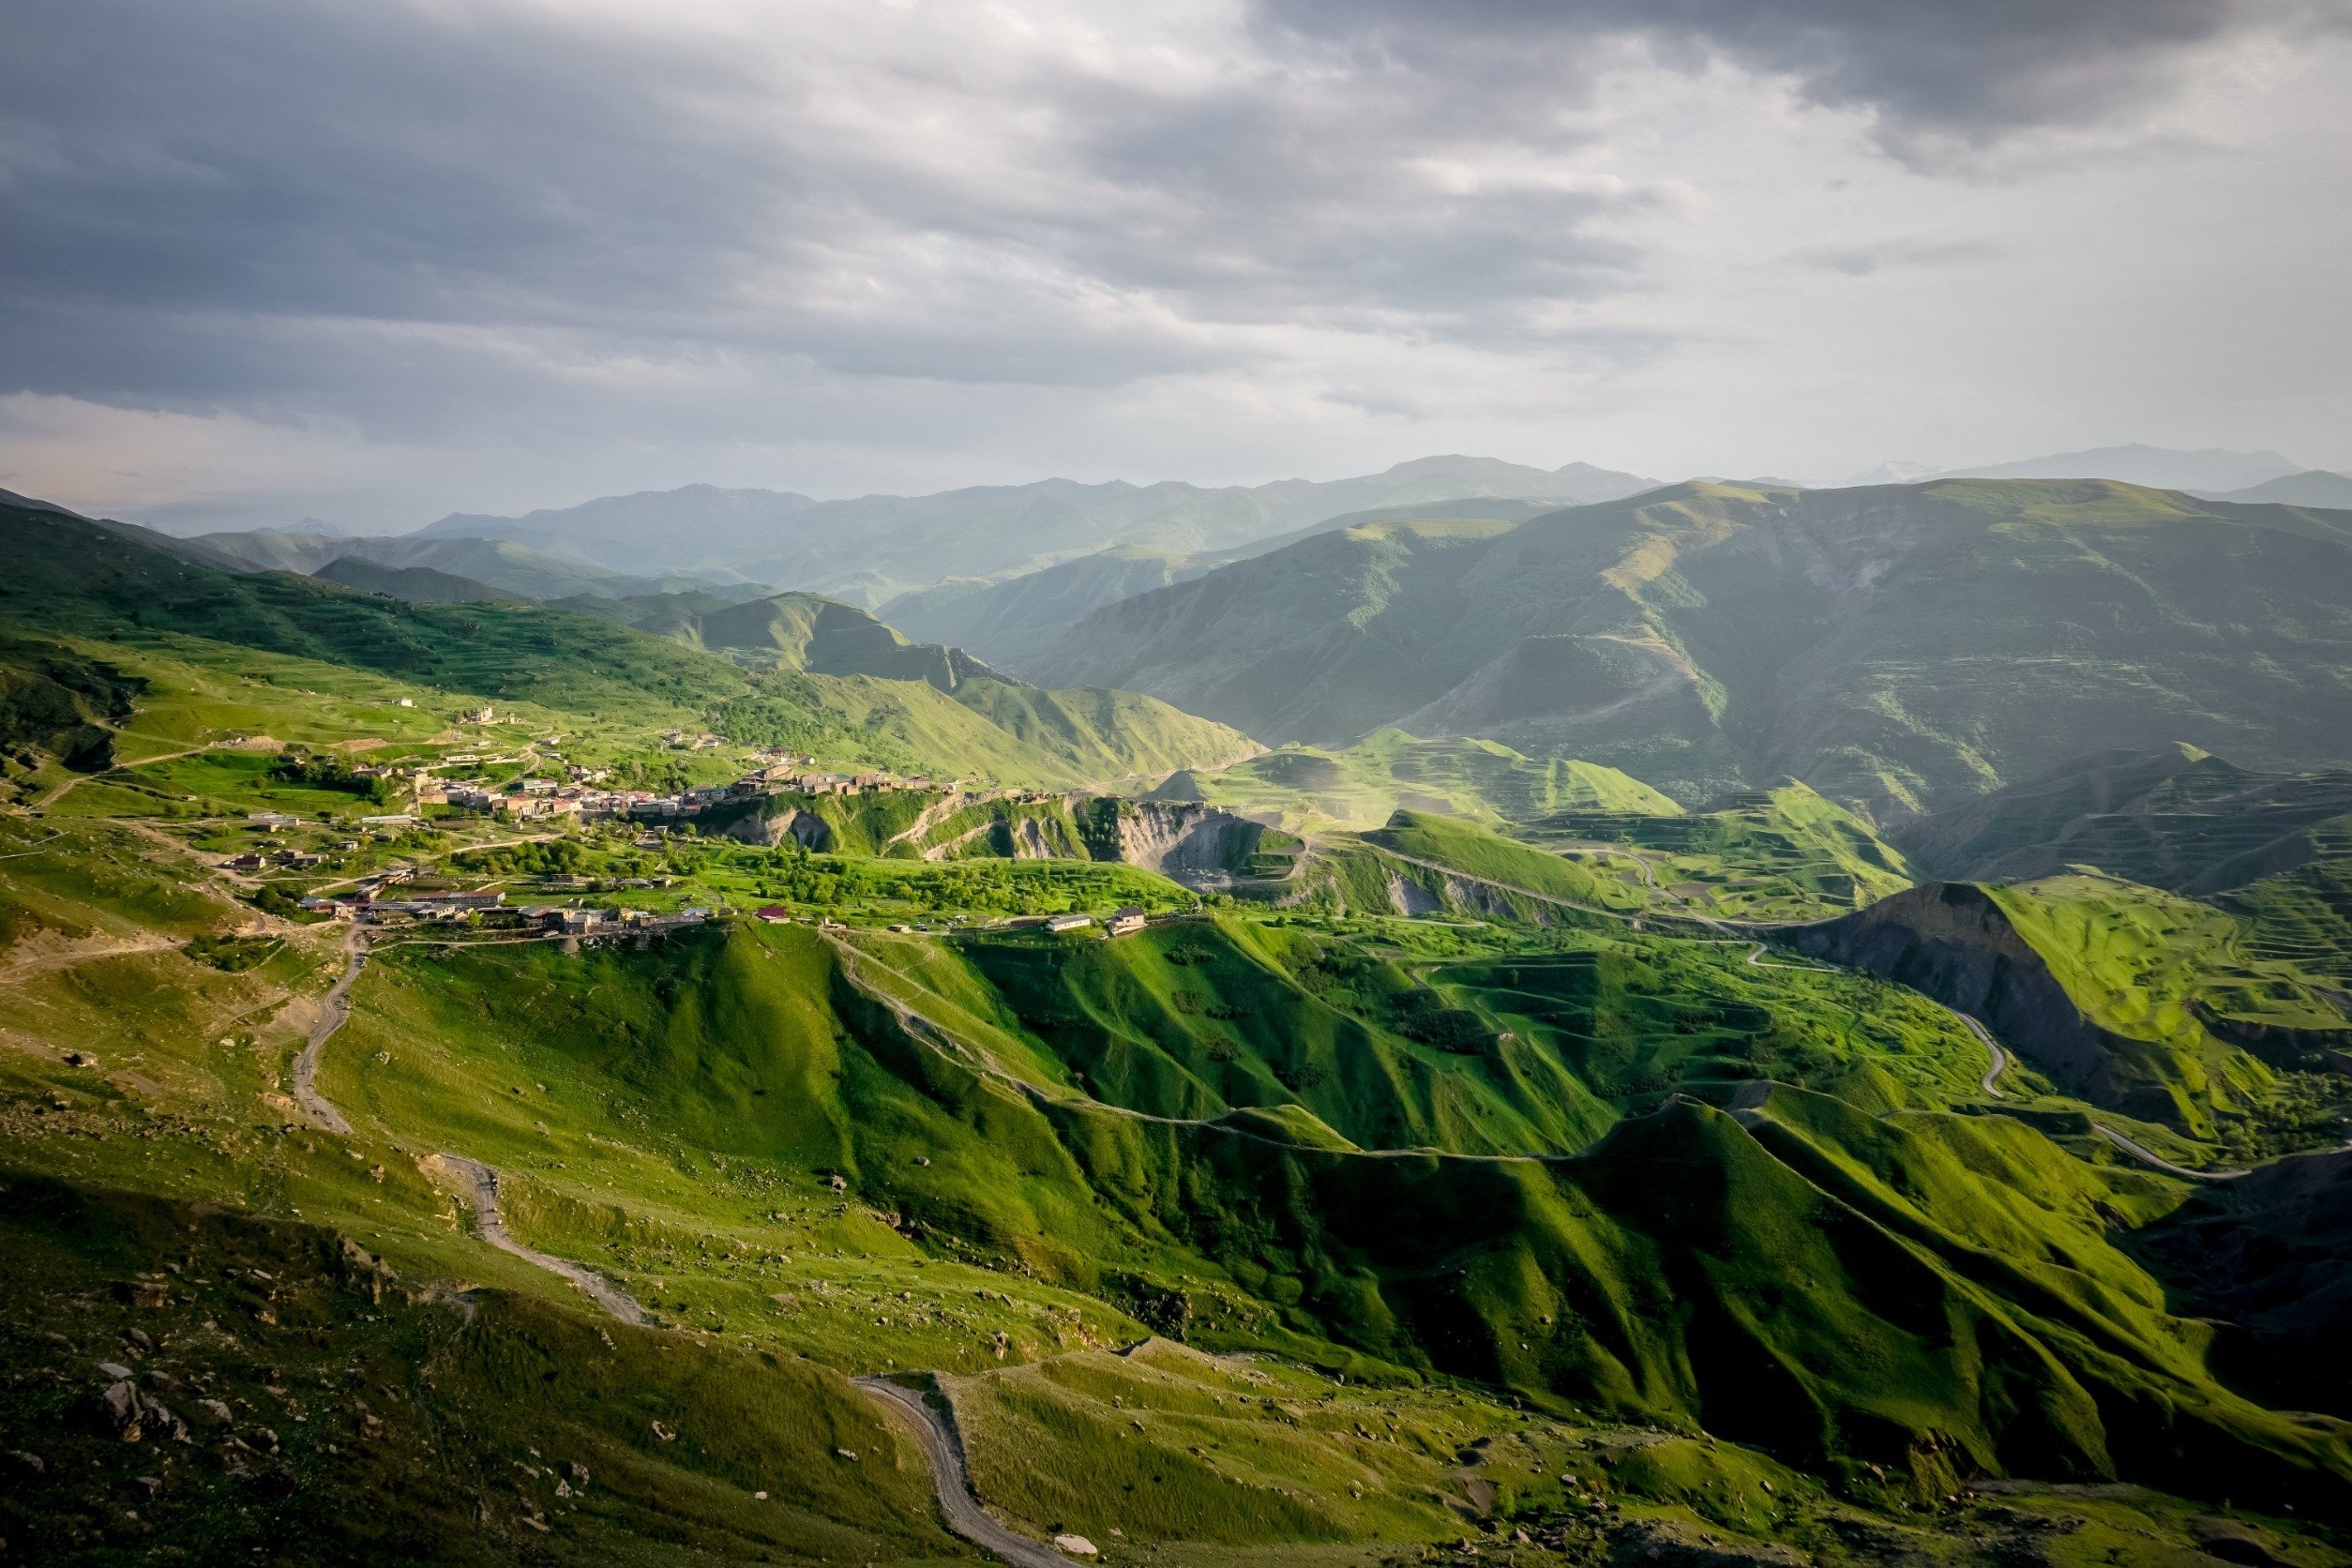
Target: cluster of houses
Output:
[(373, 903)]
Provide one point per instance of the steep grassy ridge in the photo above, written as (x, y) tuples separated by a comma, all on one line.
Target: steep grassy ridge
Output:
[(1657, 1274), (79, 577), (2138, 1000), (1900, 647)]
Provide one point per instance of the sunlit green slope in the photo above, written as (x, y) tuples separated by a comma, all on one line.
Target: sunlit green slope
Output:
[(1899, 648), (1363, 785)]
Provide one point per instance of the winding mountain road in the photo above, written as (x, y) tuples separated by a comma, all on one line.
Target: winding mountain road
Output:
[(962, 1510), (2140, 1152), (2150, 1156), (2000, 1057)]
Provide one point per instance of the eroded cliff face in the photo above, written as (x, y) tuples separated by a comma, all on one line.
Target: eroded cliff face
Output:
[(1951, 941), (1187, 841), (800, 827)]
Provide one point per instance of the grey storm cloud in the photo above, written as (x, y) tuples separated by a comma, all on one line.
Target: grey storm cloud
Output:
[(455, 213), (1938, 74)]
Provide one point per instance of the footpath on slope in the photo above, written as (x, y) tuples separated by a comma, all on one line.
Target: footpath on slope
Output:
[(335, 1010), (477, 1182), (481, 1187)]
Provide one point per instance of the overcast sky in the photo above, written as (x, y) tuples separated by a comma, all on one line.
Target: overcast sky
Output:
[(268, 259)]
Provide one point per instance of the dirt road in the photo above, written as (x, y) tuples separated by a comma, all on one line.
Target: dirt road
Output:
[(337, 1008), (478, 1185), (2000, 1057), (963, 1513), (2141, 1153)]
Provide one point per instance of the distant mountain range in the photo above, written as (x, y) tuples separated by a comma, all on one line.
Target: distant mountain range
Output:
[(875, 547), (2157, 467), (2213, 473), (1900, 647), (496, 567)]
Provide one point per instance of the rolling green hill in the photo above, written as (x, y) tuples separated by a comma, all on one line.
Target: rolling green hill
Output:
[(1760, 856), (416, 584), (1903, 648), (1014, 621), (1009, 622), (516, 570), (72, 576)]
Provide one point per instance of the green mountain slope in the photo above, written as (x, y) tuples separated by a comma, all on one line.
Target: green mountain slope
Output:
[(516, 570), (2134, 999), (1655, 1275), (60, 702), (75, 576), (2302, 918), (1007, 623), (1259, 1230), (1760, 856), (874, 548), (1900, 647), (1018, 618), (416, 584), (1362, 786), (2177, 818)]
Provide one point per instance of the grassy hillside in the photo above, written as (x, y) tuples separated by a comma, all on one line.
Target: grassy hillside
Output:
[(362, 1418), (416, 584), (74, 577), (77, 578), (1899, 648), (1260, 1231), (515, 570), (2302, 918), (1767, 855), (61, 704), (1363, 785), (2177, 817), (2137, 1000)]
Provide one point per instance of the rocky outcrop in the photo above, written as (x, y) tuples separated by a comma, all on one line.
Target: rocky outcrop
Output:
[(1951, 941), (789, 824), (1185, 840)]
